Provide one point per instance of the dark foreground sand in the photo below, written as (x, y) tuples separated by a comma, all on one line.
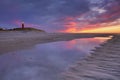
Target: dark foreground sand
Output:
[(16, 40), (103, 64)]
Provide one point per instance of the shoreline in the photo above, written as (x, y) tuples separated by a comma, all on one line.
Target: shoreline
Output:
[(16, 40), (102, 64)]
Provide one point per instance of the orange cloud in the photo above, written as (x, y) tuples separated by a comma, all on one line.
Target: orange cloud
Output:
[(79, 27), (71, 27)]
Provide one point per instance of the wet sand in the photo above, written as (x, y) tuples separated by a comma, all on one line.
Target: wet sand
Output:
[(102, 64), (17, 40)]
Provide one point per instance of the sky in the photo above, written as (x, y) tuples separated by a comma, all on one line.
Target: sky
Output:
[(62, 15)]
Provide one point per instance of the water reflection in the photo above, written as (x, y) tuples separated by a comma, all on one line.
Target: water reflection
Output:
[(45, 61)]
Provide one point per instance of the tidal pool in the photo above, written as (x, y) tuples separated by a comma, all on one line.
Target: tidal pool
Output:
[(45, 61)]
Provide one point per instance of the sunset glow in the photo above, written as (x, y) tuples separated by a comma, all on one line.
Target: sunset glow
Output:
[(75, 16), (111, 29)]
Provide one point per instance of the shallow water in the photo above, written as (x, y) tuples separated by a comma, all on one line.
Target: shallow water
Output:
[(103, 64), (45, 61)]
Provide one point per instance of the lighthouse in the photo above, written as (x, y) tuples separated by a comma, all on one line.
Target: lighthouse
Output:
[(23, 25)]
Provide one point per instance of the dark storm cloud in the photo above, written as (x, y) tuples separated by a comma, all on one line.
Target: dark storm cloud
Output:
[(43, 12), (52, 13), (11, 9)]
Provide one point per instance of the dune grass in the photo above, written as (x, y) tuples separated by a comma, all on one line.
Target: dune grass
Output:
[(22, 29)]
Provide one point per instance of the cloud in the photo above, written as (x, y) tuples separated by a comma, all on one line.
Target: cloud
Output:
[(53, 15), (102, 14), (44, 8)]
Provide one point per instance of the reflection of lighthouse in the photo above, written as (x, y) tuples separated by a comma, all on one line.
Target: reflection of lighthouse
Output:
[(23, 26)]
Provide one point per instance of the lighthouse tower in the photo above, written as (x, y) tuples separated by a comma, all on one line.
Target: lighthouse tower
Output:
[(23, 25)]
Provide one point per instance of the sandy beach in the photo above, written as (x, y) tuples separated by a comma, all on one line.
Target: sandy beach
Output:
[(16, 40), (102, 63)]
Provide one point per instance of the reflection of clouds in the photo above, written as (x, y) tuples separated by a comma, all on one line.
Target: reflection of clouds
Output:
[(45, 61), (85, 45)]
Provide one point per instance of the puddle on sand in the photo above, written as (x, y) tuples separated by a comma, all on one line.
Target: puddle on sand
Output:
[(45, 61)]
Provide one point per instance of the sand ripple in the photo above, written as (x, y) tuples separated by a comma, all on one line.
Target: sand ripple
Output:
[(103, 64)]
